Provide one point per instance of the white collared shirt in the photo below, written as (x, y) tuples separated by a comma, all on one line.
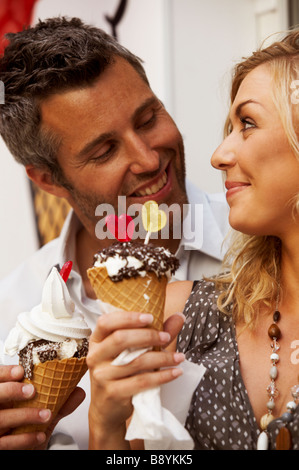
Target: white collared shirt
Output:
[(22, 289)]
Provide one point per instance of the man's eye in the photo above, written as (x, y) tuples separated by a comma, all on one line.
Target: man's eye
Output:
[(147, 120), (104, 153)]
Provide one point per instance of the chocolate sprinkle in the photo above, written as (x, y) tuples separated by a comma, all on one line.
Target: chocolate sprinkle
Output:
[(83, 350), (46, 351), (154, 258)]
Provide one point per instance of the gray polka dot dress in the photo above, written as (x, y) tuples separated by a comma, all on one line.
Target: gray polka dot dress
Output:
[(220, 415)]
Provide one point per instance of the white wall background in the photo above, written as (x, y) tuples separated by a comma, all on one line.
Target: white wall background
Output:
[(189, 48)]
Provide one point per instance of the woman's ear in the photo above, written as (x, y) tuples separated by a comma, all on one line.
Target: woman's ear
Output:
[(44, 180)]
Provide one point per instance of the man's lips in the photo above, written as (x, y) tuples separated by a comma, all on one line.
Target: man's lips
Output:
[(157, 187), (234, 187)]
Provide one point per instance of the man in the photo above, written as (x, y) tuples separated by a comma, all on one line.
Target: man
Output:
[(80, 115)]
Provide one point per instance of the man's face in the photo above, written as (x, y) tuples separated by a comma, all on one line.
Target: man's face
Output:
[(116, 140)]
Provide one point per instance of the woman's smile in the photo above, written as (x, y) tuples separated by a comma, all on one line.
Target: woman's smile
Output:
[(234, 187)]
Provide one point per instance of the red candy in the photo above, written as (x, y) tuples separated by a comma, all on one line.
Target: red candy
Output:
[(122, 227)]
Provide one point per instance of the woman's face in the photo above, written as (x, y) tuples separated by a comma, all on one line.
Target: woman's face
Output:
[(262, 172)]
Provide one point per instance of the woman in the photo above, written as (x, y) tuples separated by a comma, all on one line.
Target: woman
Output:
[(243, 325)]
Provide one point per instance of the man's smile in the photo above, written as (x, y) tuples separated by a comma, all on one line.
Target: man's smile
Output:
[(156, 188)]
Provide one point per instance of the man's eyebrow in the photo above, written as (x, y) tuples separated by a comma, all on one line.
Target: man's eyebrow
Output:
[(244, 103), (110, 135), (149, 102), (93, 143)]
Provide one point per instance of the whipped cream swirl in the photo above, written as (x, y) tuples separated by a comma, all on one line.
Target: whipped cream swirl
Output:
[(55, 319)]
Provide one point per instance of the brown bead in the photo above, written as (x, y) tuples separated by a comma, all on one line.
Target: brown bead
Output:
[(274, 331), (276, 316), (284, 439)]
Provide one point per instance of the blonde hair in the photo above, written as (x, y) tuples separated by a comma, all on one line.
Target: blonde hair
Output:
[(254, 261)]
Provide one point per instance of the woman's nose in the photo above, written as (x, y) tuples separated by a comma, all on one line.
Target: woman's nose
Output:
[(224, 156)]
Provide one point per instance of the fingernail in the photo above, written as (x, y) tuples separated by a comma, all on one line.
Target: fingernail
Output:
[(45, 414), (179, 357), (41, 437), (146, 318), (181, 315), (164, 337), (177, 372), (28, 390), (16, 372)]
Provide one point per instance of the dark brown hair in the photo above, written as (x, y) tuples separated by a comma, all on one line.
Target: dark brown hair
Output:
[(55, 55)]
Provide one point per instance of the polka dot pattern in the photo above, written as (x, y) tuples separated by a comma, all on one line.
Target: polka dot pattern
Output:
[(220, 416)]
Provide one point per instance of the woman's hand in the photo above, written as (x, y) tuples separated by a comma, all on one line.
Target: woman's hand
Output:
[(112, 387)]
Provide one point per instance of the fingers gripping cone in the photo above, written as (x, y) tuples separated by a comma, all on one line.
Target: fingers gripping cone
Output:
[(54, 381)]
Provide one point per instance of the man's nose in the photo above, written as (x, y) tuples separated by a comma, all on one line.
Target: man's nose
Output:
[(224, 156), (142, 156)]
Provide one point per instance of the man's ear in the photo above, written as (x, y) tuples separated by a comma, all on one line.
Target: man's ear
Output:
[(43, 179)]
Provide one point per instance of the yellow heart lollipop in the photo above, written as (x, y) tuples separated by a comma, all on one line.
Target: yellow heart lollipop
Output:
[(153, 219)]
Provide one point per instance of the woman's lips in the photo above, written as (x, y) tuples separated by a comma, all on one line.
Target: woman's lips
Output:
[(234, 187)]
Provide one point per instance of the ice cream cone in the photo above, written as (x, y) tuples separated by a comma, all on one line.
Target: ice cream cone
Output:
[(54, 381), (142, 294)]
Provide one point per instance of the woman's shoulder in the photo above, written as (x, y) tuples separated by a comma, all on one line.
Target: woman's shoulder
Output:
[(202, 316), (183, 295), (203, 291), (177, 294)]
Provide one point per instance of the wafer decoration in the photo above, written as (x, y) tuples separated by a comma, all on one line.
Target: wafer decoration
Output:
[(66, 270)]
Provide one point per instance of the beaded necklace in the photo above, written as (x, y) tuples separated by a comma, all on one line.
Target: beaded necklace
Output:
[(284, 438)]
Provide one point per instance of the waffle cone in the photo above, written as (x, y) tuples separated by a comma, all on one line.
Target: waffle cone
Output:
[(54, 381), (142, 294)]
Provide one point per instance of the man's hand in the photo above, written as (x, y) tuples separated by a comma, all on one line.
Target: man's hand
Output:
[(74, 400), (112, 387), (12, 389)]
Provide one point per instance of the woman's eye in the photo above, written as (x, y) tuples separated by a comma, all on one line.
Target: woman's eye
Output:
[(229, 128), (247, 124)]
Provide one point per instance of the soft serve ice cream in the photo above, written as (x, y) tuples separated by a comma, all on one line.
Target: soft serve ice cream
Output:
[(54, 329)]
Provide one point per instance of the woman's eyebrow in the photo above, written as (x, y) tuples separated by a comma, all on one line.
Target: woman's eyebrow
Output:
[(244, 103)]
